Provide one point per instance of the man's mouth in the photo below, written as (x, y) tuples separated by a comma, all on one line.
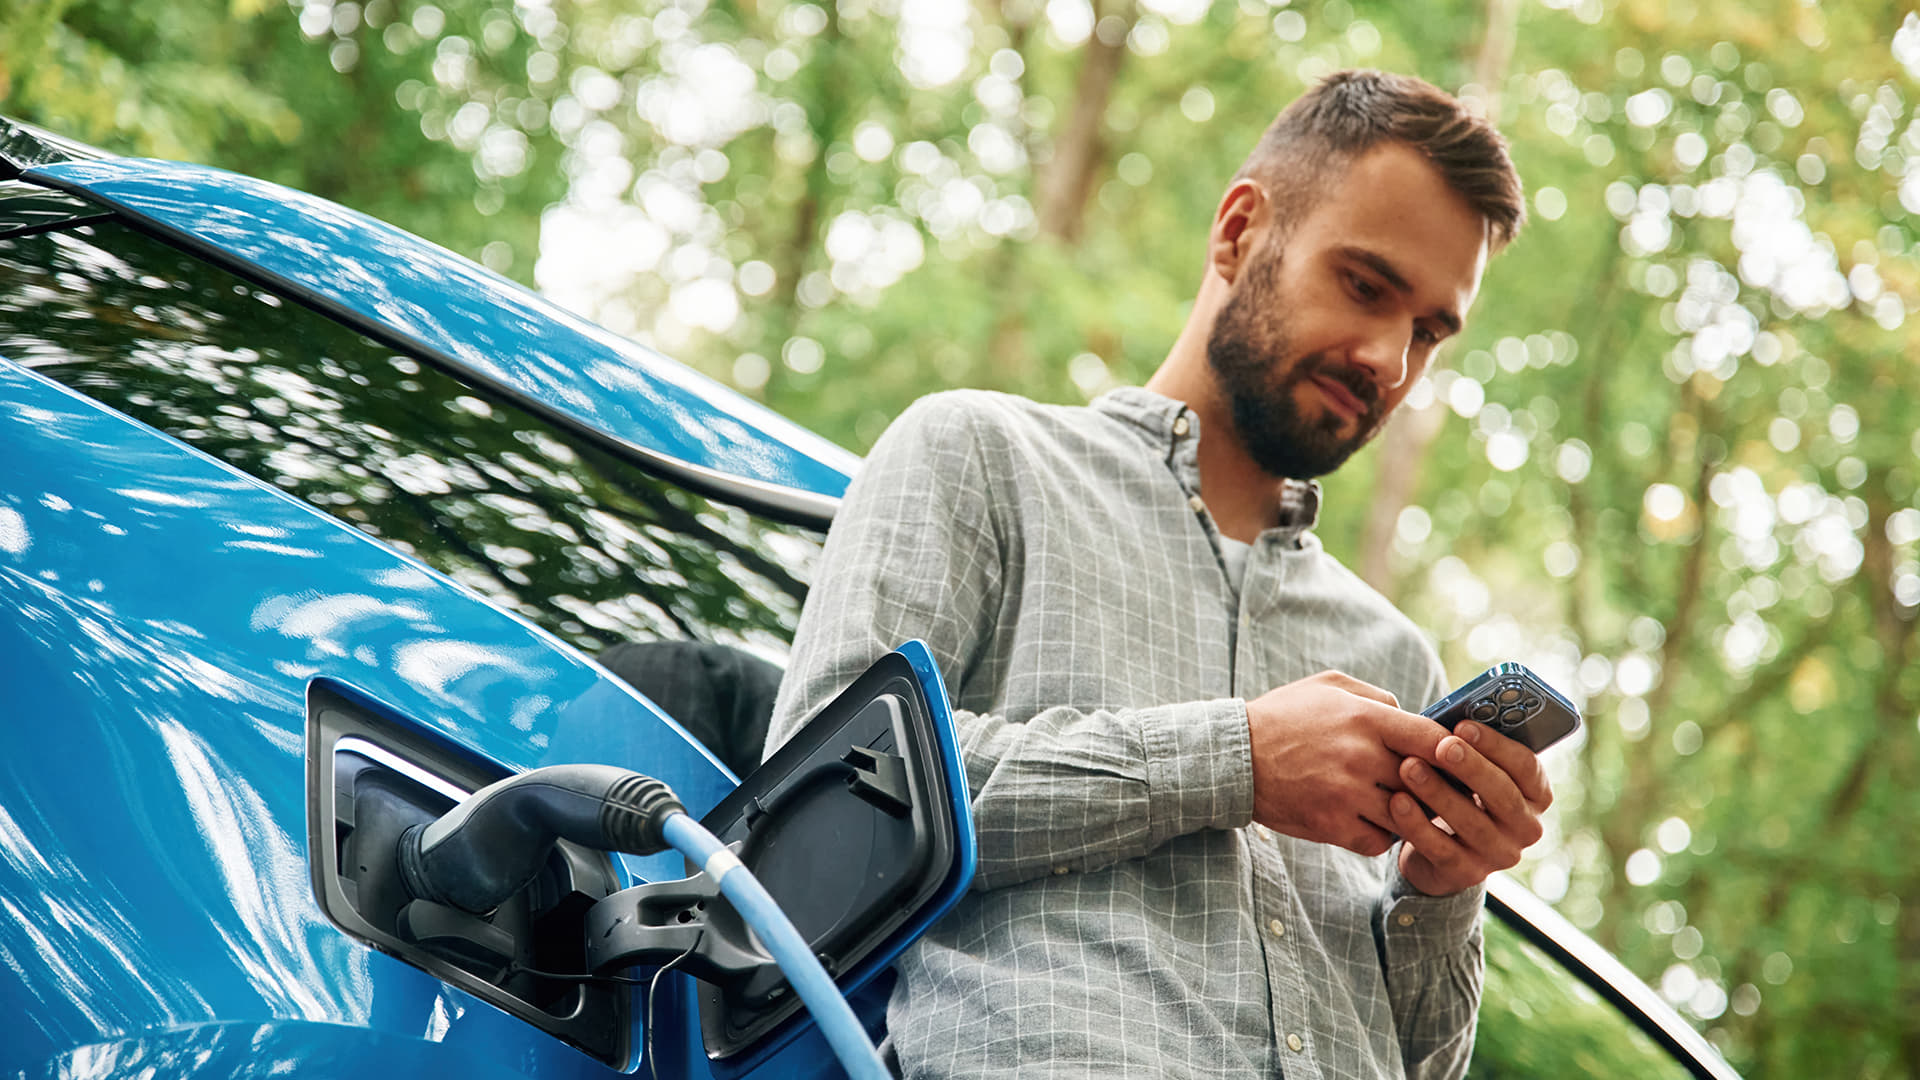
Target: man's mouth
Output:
[(1339, 396)]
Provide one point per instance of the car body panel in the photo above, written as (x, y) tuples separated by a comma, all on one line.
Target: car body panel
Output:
[(485, 328), (167, 613), (23, 145), (1602, 972)]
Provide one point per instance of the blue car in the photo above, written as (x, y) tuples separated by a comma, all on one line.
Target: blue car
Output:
[(309, 530)]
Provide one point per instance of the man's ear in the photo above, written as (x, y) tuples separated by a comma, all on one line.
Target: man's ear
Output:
[(1245, 212)]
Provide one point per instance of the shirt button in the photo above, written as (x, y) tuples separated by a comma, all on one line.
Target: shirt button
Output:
[(1263, 832), (1197, 505), (1179, 426), (1404, 918), (1279, 928), (1295, 1044), (1058, 870)]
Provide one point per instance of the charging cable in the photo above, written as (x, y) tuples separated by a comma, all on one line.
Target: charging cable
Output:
[(490, 846)]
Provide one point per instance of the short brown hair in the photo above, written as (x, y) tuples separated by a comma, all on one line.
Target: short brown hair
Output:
[(1312, 141)]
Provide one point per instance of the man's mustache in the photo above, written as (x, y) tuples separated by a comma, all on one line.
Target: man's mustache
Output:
[(1354, 378)]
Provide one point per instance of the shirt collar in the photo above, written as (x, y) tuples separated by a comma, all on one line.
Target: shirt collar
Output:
[(1165, 422)]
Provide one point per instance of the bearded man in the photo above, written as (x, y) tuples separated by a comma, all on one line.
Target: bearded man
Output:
[(1205, 841)]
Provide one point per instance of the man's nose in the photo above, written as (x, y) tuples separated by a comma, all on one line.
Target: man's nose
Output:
[(1383, 351)]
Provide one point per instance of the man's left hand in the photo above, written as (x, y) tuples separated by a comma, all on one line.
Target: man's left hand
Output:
[(1483, 832)]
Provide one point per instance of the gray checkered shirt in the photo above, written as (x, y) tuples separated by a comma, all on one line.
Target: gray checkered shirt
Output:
[(1127, 919)]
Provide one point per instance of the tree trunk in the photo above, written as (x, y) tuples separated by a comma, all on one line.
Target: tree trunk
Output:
[(826, 116), (1403, 446), (1496, 52), (1079, 151)]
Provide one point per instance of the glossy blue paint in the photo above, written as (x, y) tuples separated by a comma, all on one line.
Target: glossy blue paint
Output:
[(163, 615), (253, 1051), (490, 327)]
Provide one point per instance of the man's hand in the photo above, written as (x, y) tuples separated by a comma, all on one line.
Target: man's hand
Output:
[(1484, 832), (1327, 753)]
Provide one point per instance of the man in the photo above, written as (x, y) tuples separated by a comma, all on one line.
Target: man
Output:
[(1184, 870)]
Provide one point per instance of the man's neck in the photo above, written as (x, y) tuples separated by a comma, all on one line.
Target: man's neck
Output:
[(1243, 498)]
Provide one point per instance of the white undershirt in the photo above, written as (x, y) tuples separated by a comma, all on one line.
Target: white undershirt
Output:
[(1234, 554)]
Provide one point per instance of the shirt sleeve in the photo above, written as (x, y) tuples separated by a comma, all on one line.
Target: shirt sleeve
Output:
[(918, 550), (1432, 956)]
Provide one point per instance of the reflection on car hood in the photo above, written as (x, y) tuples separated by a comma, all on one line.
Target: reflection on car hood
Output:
[(399, 288)]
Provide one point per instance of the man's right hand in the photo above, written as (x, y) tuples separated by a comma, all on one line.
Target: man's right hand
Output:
[(1326, 759)]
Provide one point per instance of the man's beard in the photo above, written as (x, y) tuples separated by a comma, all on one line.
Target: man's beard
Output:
[(1248, 351)]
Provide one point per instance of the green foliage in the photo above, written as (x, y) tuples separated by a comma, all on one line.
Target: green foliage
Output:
[(1672, 462), (307, 95)]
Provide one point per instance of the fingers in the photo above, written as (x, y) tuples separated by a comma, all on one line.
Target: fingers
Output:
[(1439, 860), (1512, 758), (1362, 689), (1502, 791), (1432, 859), (1359, 835), (1411, 735), (1441, 849), (1371, 840), (1378, 813), (1454, 839), (1446, 801), (1365, 827), (1506, 775), (1489, 828)]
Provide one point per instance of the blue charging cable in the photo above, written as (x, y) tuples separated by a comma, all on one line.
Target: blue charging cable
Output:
[(783, 942)]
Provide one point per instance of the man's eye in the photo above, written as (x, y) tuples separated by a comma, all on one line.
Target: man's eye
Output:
[(1425, 336), (1364, 289)]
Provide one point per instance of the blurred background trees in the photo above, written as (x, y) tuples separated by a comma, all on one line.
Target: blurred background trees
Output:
[(1672, 464)]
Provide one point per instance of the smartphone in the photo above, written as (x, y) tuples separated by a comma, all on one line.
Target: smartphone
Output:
[(1513, 701)]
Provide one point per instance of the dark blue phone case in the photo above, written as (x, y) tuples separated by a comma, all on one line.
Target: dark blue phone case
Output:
[(1513, 701)]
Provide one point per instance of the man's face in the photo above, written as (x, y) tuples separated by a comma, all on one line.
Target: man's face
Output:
[(1329, 325)]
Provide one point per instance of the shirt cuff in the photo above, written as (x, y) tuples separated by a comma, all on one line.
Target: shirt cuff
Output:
[(1199, 767), (1415, 927)]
